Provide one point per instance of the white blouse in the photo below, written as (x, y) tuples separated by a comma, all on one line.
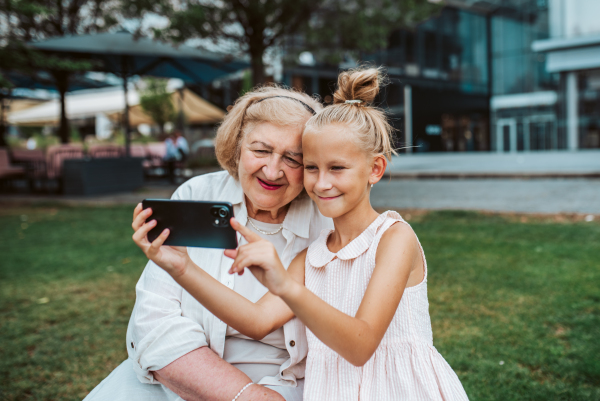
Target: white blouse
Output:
[(257, 359), (167, 322)]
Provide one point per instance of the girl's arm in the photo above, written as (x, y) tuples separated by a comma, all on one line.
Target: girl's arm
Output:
[(254, 320), (354, 338)]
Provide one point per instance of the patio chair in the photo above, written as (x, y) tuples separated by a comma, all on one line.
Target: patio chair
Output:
[(105, 151), (25, 156), (50, 169), (138, 151), (8, 172), (155, 165)]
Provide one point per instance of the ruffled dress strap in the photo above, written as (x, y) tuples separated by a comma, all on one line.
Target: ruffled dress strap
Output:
[(392, 217)]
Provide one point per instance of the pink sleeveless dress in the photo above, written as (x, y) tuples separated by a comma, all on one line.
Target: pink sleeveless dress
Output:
[(406, 365)]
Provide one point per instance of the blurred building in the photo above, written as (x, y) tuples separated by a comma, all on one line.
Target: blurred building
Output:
[(573, 52), (468, 79)]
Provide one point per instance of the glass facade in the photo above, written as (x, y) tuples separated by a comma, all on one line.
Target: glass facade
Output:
[(445, 61), (530, 123), (516, 68), (450, 48), (589, 109)]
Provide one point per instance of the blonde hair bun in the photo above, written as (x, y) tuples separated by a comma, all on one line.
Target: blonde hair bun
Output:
[(358, 84), (367, 124)]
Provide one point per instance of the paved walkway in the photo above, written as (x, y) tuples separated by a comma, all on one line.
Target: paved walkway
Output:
[(128, 198), (502, 195), (551, 164)]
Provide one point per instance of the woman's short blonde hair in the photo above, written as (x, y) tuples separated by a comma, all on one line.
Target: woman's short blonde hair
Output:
[(250, 110), (353, 107)]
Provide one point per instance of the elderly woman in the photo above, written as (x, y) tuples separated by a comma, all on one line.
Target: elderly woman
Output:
[(176, 347)]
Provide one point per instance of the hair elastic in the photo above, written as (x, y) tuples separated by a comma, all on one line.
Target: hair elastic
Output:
[(353, 101), (307, 107)]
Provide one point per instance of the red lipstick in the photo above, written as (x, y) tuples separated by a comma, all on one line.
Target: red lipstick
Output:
[(268, 186)]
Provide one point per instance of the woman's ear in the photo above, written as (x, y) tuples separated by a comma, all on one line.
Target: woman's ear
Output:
[(378, 169)]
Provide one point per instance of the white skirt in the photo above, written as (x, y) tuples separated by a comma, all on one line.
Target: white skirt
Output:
[(123, 385)]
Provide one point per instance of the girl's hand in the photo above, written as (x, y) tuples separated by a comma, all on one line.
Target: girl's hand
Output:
[(260, 256), (173, 259)]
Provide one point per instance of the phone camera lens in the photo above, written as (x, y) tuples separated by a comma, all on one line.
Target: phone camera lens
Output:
[(223, 212)]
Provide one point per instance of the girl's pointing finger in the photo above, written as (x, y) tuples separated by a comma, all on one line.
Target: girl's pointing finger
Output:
[(245, 231)]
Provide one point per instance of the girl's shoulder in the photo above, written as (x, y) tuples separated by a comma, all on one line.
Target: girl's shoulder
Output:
[(394, 235), (398, 247)]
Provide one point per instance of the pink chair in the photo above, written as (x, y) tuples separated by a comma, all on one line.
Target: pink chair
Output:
[(156, 150), (57, 154), (25, 156), (137, 151), (8, 171), (105, 151), (155, 165)]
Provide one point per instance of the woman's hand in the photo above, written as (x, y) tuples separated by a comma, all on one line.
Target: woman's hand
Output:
[(260, 256), (173, 259)]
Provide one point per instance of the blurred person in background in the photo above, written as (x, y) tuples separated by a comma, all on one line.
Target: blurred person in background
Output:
[(177, 152)]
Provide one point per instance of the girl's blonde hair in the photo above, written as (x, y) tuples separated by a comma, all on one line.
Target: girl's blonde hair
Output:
[(368, 123), (256, 107)]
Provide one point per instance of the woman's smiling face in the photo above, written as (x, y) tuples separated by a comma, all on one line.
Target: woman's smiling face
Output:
[(336, 170), (270, 167)]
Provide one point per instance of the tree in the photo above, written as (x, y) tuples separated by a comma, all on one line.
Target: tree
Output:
[(331, 27), (156, 101), (24, 21), (255, 26), (353, 28)]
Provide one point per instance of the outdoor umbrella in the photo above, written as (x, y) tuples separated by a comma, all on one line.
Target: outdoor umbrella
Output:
[(110, 102), (42, 80), (123, 54)]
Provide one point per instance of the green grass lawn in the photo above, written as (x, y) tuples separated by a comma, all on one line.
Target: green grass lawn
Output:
[(515, 306)]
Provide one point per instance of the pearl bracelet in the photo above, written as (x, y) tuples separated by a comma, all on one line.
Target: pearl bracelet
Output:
[(241, 391)]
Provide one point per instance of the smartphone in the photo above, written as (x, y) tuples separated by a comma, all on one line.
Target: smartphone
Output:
[(199, 224)]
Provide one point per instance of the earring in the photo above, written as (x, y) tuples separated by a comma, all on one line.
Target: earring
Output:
[(371, 185)]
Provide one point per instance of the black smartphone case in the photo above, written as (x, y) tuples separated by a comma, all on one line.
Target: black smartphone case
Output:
[(200, 224)]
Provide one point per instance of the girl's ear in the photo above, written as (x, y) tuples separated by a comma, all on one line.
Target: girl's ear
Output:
[(378, 169)]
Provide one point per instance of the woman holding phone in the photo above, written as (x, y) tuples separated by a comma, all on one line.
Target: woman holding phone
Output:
[(178, 349)]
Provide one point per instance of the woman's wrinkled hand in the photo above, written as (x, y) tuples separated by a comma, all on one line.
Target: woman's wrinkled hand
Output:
[(173, 259), (260, 257)]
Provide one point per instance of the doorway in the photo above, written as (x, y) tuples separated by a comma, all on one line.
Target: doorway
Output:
[(506, 135)]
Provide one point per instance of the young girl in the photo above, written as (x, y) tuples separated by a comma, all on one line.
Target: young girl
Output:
[(361, 289)]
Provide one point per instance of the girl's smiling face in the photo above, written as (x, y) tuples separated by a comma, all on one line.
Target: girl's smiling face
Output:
[(337, 172)]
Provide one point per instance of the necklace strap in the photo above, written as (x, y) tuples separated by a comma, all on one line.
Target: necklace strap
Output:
[(265, 232)]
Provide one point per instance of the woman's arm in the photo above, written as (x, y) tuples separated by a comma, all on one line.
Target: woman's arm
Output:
[(354, 338), (201, 375), (253, 320)]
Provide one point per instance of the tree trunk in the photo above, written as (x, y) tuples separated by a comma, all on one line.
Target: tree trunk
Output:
[(180, 113), (62, 84), (3, 143), (125, 75), (126, 119), (258, 67)]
